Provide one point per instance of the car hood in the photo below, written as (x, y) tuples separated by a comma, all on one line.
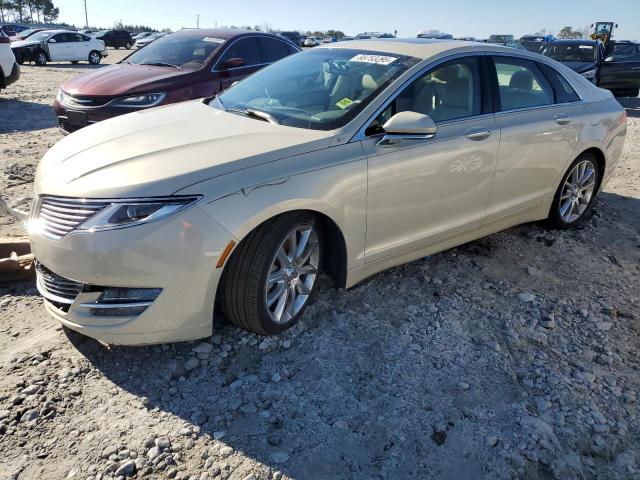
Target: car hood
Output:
[(121, 79), (160, 151), (580, 67), (24, 43)]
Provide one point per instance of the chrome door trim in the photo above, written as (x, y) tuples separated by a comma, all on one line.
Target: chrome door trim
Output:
[(541, 107)]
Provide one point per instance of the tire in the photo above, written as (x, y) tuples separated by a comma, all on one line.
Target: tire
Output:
[(128, 46), (40, 58), (245, 288), (569, 206), (94, 57)]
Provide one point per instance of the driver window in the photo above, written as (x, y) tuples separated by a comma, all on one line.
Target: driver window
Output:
[(60, 38), (246, 49), (450, 91)]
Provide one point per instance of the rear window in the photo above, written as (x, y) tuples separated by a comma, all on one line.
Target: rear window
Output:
[(564, 91)]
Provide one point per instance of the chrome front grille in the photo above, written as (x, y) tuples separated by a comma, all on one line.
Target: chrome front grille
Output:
[(59, 216), (55, 288)]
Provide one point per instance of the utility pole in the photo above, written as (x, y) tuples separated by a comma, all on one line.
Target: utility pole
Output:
[(198, 22), (86, 16)]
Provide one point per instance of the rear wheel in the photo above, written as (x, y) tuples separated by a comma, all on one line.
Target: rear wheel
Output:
[(575, 193), (272, 275), (40, 58), (94, 57)]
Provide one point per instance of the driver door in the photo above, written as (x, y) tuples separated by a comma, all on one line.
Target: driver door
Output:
[(424, 191), (241, 58), (60, 48)]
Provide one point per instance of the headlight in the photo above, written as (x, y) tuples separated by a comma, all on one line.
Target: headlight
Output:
[(139, 101), (127, 213), (61, 97), (590, 74)]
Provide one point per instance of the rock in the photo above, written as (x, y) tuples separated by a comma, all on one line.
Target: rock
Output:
[(4, 414), (251, 476), (204, 348), (279, 456), (172, 472), (286, 344), (275, 378), (29, 416), (112, 450), (192, 363), (548, 322), (226, 451), (30, 390), (163, 443), (126, 469), (604, 326), (491, 440), (219, 435), (526, 297), (150, 441), (153, 453), (464, 385)]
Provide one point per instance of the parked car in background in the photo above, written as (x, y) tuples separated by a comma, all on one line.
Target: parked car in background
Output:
[(346, 38), (347, 158), (9, 68), (619, 72), (23, 35), (368, 35), (329, 40), (295, 37), (88, 31), (312, 41), (534, 43), (115, 38), (141, 42), (59, 46), (500, 39), (12, 29), (435, 35), (180, 66), (140, 35)]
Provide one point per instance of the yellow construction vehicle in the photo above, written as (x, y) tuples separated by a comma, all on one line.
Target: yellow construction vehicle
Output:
[(603, 31)]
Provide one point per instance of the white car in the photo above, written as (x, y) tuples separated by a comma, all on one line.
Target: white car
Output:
[(144, 223), (312, 41), (9, 69), (141, 42), (59, 46)]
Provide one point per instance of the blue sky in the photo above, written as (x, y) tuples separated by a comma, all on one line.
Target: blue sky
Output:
[(460, 17)]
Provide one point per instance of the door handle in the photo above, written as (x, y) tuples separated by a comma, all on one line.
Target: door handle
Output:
[(477, 134), (562, 120), (635, 68)]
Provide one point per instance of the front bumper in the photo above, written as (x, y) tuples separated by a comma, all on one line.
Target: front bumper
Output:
[(177, 254)]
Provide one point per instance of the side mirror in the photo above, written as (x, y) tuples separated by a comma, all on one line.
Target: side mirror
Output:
[(233, 63), (407, 126)]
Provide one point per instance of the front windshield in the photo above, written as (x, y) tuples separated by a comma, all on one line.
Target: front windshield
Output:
[(320, 89), (40, 36), (570, 52), (189, 52)]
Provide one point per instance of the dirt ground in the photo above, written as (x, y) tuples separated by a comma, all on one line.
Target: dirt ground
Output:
[(511, 357)]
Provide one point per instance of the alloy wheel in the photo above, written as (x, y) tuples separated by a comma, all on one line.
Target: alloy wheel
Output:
[(292, 274), (577, 191), (94, 58)]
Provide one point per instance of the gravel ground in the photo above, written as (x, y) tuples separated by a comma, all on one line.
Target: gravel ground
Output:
[(515, 356)]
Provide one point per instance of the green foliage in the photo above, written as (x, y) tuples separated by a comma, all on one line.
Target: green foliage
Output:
[(28, 11)]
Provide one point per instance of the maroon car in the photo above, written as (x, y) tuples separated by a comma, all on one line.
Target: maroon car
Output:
[(181, 66)]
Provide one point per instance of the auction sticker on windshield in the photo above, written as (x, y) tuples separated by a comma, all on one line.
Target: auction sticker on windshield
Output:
[(213, 40), (379, 59)]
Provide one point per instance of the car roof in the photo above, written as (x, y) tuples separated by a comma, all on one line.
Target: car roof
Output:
[(225, 33), (412, 47)]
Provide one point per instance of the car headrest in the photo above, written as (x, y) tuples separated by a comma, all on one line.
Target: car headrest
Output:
[(368, 82), (457, 93), (522, 79)]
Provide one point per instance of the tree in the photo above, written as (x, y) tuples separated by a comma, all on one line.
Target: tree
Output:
[(569, 32)]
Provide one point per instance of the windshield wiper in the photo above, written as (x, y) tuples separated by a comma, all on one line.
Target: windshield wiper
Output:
[(255, 114), (160, 64)]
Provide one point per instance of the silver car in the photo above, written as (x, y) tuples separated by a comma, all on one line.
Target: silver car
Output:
[(347, 159)]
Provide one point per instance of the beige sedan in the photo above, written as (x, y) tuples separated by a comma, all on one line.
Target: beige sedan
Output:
[(349, 158)]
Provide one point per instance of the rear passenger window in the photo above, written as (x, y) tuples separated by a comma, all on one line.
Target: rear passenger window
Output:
[(521, 84), (564, 91), (272, 49), (247, 49)]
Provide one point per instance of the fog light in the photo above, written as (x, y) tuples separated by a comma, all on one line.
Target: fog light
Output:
[(123, 302)]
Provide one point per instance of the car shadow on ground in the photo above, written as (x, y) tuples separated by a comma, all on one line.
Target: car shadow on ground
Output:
[(23, 116), (632, 106), (313, 409)]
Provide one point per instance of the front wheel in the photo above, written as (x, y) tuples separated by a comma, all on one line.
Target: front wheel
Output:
[(272, 275), (94, 57), (40, 58), (128, 46), (576, 192)]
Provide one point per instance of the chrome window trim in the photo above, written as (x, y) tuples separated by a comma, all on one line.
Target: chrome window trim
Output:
[(228, 45), (540, 107), (359, 135)]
